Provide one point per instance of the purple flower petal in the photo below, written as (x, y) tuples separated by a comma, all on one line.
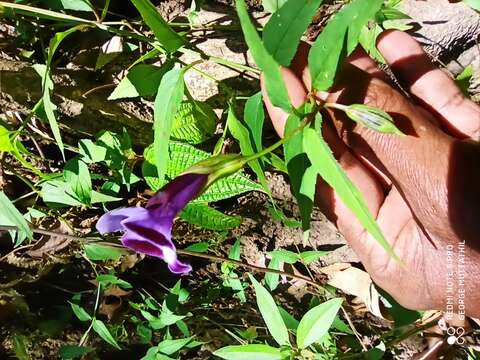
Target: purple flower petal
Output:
[(173, 197), (112, 221)]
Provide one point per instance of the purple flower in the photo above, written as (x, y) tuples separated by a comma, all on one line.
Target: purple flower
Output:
[(149, 230)]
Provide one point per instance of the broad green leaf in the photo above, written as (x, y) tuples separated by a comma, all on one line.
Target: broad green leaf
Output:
[(10, 216), (5, 142), (462, 80), (254, 117), (316, 322), (80, 312), (182, 157), (77, 175), (310, 256), (285, 28), (103, 252), (302, 178), (169, 97), (67, 352), (111, 279), (338, 39), (241, 134), (104, 333), (91, 152), (474, 4), (327, 167), (141, 80), (272, 279), (163, 32), (200, 247), (206, 217), (170, 347), (368, 40), (250, 352), (285, 256), (272, 5), (194, 122), (270, 313), (277, 92)]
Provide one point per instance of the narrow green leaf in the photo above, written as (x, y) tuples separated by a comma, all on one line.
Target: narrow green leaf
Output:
[(163, 32), (235, 251), (276, 89), (249, 352), (67, 352), (254, 118), (169, 347), (272, 279), (302, 177), (288, 319), (77, 175), (285, 28), (80, 312), (5, 142), (141, 80), (327, 167), (206, 217), (169, 97), (104, 333), (270, 313), (10, 216), (19, 347), (200, 247), (241, 134), (285, 256), (474, 4), (112, 279), (310, 256), (338, 39), (103, 252), (316, 322), (43, 13)]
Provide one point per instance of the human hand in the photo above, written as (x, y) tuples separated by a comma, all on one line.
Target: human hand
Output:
[(423, 188)]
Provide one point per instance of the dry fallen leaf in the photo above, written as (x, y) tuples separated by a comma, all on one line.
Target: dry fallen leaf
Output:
[(356, 282), (51, 244), (112, 301)]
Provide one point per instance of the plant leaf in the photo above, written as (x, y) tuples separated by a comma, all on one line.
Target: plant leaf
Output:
[(170, 346), (169, 97), (249, 352), (316, 322), (474, 4), (338, 39), (327, 167), (272, 5), (194, 122), (80, 312), (163, 32), (272, 279), (310, 256), (182, 157), (141, 80), (285, 256), (270, 313), (104, 333), (10, 216), (103, 252), (77, 175), (277, 92), (254, 118), (67, 352), (206, 217), (285, 28)]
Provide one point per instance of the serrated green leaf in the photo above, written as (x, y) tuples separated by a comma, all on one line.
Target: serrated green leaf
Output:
[(103, 252), (10, 216), (141, 80), (163, 32), (76, 173), (285, 28), (316, 322), (167, 101), (327, 167), (277, 92), (270, 313), (104, 333), (249, 352), (206, 217), (182, 157), (194, 122), (338, 39)]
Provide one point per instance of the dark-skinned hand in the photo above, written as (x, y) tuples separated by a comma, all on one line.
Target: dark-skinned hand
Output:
[(423, 188)]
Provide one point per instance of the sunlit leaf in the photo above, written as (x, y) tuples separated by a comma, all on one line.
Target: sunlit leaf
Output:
[(10, 216), (249, 352)]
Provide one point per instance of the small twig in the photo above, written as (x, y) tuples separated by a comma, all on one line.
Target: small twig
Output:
[(357, 335), (247, 265), (106, 86)]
